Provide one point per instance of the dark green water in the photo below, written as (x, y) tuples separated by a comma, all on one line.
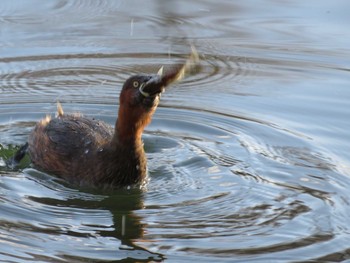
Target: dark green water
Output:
[(248, 158)]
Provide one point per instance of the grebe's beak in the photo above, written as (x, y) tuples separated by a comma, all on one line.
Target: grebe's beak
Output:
[(153, 86), (157, 83)]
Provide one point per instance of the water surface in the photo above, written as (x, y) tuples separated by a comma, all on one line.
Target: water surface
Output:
[(248, 157)]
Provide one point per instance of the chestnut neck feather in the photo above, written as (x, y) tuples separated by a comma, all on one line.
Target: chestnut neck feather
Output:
[(130, 125)]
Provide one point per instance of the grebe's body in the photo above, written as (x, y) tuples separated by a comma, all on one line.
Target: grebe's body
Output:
[(90, 152), (83, 151)]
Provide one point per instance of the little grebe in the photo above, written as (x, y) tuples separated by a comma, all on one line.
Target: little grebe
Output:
[(89, 152)]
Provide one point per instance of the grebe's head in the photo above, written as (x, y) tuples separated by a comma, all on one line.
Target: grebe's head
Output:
[(138, 100), (141, 93), (140, 96)]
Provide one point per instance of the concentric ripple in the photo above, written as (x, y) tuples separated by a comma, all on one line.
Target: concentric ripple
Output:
[(216, 176), (216, 167), (51, 212), (247, 156), (76, 77), (242, 177), (237, 185)]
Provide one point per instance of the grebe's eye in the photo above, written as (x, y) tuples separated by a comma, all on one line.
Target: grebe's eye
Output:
[(136, 84)]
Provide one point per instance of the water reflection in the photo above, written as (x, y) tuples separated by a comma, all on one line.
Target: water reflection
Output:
[(95, 225)]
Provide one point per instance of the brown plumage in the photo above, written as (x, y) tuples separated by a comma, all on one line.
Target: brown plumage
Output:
[(89, 152)]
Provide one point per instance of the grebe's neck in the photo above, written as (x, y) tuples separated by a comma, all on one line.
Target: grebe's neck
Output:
[(130, 126), (127, 135)]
